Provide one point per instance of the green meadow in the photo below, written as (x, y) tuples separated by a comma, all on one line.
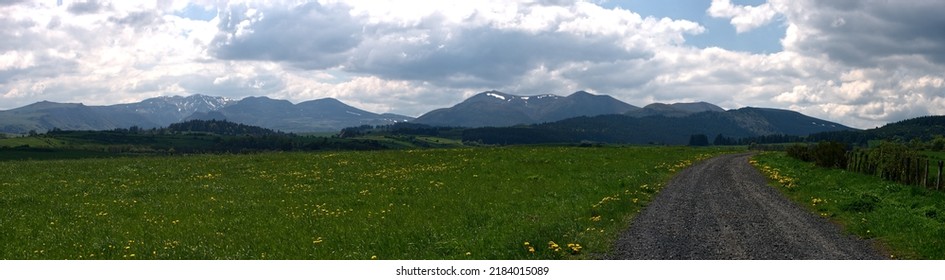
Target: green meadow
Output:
[(473, 203), (904, 221)]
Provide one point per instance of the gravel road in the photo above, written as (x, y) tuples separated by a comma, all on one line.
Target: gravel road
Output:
[(722, 208)]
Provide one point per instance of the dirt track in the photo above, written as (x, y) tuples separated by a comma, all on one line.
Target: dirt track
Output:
[(723, 209)]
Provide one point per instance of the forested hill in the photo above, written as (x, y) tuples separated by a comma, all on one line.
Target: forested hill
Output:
[(658, 129), (921, 128), (220, 127)]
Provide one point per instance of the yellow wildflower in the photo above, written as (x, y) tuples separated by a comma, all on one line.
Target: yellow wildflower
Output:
[(575, 248)]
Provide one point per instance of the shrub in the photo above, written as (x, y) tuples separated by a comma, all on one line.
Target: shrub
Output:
[(829, 154), (866, 202), (799, 151), (889, 158)]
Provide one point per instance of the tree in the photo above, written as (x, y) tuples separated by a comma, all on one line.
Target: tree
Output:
[(698, 140), (721, 140), (938, 143)]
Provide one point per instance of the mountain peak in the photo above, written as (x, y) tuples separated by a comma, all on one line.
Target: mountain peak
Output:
[(494, 108), (45, 104), (326, 114), (494, 94), (581, 93), (680, 109)]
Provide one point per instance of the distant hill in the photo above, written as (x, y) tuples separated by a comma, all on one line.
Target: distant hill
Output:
[(166, 110), (45, 115), (921, 128), (220, 127), (310, 116), (674, 110), (497, 109), (659, 129), (320, 115)]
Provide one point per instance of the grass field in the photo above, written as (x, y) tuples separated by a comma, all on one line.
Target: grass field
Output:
[(482, 203), (908, 221)]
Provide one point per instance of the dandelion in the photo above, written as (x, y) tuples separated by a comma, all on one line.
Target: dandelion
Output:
[(374, 257), (469, 253), (575, 248), (553, 246)]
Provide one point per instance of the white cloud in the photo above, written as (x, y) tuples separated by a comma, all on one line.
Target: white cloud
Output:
[(861, 63), (744, 18)]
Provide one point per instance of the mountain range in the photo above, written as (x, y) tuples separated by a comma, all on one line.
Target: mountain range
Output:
[(493, 108), (672, 129), (321, 115), (580, 113), (311, 116), (674, 110)]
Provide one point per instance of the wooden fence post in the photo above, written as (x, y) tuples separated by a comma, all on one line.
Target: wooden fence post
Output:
[(904, 173), (858, 162), (925, 175), (938, 182), (915, 171)]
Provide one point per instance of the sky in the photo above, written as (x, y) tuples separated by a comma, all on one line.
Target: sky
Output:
[(862, 63)]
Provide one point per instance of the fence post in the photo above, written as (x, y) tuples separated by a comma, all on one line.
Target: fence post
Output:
[(925, 175), (938, 182), (851, 163), (914, 176), (904, 172), (856, 162)]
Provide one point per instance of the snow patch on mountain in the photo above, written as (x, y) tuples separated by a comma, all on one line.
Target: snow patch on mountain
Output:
[(497, 96)]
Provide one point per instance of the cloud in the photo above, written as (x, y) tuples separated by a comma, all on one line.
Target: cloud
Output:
[(10, 2), (310, 35), (861, 63), (744, 18), (476, 46), (88, 7), (868, 33)]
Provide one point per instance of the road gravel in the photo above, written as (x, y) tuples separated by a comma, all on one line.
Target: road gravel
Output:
[(722, 208)]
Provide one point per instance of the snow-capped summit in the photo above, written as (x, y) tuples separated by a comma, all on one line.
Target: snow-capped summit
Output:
[(165, 110), (494, 108)]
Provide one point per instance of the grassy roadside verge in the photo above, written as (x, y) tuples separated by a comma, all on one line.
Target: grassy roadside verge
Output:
[(481, 203), (908, 221)]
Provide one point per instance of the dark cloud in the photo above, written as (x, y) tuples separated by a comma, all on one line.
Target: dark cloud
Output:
[(15, 34), (433, 50), (54, 23), (138, 19), (310, 36), (87, 7), (481, 57), (44, 67), (262, 84), (10, 2), (864, 33), (616, 75)]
